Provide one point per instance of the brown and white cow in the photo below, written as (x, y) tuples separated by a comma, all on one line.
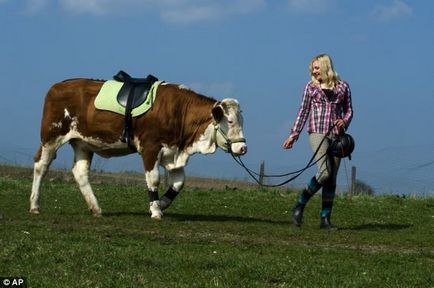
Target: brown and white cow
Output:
[(180, 124)]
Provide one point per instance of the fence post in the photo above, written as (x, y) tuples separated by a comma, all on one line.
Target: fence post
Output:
[(261, 173), (353, 180)]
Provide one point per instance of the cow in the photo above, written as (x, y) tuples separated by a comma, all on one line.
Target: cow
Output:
[(180, 123)]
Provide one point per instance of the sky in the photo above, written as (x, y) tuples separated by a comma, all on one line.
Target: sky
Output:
[(256, 51)]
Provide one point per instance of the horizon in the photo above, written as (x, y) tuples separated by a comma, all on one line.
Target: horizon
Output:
[(409, 180)]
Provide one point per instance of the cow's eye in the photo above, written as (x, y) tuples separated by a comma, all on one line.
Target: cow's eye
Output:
[(230, 122)]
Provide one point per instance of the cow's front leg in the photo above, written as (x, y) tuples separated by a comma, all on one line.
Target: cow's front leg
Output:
[(176, 182), (153, 181)]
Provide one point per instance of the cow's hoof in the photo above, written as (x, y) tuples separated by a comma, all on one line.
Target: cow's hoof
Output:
[(97, 215), (96, 212), (35, 211), (155, 210), (157, 216)]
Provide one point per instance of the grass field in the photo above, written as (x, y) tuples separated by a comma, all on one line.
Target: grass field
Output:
[(223, 237)]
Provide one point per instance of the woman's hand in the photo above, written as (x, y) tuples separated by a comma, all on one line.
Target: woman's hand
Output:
[(340, 123), (289, 142)]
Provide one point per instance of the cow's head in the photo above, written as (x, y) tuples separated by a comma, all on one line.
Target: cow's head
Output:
[(229, 127)]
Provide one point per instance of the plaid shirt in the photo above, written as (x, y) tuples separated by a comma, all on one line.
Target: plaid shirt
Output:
[(323, 111)]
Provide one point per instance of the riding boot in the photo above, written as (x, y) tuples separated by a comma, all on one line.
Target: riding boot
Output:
[(306, 194), (328, 195), (297, 214), (326, 223)]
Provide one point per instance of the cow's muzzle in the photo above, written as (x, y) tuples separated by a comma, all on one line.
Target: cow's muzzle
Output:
[(235, 146)]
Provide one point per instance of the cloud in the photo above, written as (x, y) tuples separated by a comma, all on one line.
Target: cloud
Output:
[(310, 6), (34, 6), (171, 11), (397, 9), (96, 7), (206, 10), (218, 90), (191, 14)]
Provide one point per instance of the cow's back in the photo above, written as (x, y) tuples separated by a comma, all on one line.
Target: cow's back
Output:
[(179, 116)]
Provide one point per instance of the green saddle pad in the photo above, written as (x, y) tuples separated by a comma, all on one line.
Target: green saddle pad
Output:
[(107, 98)]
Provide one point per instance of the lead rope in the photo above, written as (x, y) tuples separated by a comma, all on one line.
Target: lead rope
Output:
[(253, 173), (348, 179), (295, 173)]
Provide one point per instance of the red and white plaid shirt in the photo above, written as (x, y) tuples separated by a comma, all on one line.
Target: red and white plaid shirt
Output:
[(323, 111)]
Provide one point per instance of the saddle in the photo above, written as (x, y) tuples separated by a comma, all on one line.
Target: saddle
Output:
[(132, 94)]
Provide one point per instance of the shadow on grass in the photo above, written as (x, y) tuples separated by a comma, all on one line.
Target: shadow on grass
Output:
[(125, 213), (221, 218), (198, 217), (377, 226)]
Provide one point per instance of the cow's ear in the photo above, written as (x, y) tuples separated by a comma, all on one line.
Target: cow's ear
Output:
[(217, 113)]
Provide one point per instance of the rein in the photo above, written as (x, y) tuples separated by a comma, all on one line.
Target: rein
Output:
[(297, 173)]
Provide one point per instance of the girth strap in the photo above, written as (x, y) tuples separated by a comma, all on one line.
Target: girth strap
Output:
[(132, 94)]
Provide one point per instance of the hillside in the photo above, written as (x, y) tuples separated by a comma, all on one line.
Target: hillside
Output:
[(127, 178)]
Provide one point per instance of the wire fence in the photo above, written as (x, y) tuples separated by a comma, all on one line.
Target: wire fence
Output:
[(394, 172)]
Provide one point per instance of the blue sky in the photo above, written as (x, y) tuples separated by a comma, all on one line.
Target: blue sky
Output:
[(254, 50)]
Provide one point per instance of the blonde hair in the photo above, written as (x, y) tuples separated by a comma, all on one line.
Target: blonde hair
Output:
[(328, 74)]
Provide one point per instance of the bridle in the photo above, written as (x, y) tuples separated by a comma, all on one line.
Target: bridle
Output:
[(228, 142)]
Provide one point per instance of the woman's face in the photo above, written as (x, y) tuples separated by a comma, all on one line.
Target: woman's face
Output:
[(316, 71)]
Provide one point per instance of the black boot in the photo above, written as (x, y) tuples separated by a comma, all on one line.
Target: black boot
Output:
[(326, 224), (297, 214)]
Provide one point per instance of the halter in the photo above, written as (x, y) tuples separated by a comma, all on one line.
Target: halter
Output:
[(229, 142)]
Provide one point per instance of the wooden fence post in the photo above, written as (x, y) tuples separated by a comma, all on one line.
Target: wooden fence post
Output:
[(261, 173)]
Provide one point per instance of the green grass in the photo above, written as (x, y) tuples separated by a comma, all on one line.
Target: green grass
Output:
[(209, 238)]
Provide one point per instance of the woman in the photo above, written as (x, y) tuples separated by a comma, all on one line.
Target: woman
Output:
[(327, 104)]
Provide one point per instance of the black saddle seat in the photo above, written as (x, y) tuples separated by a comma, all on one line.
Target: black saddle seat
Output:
[(132, 94), (123, 76), (134, 90)]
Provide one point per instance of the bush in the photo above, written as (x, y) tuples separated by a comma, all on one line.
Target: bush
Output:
[(361, 188)]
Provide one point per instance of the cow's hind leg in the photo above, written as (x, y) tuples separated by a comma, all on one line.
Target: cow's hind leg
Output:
[(176, 182), (43, 159), (80, 170)]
